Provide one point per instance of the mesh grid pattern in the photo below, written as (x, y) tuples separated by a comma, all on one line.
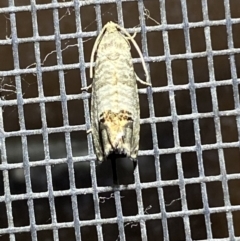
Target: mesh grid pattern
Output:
[(7, 198)]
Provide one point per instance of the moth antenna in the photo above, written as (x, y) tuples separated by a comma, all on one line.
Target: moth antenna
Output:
[(132, 36), (95, 48), (141, 81), (138, 50)]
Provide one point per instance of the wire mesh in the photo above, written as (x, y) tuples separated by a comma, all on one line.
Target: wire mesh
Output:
[(186, 184)]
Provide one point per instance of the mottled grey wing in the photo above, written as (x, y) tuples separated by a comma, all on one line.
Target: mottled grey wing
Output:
[(136, 125), (95, 125)]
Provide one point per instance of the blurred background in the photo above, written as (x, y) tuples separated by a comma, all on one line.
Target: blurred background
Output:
[(217, 163)]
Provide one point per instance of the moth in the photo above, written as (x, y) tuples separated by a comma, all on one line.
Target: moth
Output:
[(115, 116)]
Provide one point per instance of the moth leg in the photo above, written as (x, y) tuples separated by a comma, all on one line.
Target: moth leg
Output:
[(89, 131), (142, 82), (87, 87)]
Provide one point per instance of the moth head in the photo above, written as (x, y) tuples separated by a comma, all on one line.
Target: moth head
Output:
[(111, 27)]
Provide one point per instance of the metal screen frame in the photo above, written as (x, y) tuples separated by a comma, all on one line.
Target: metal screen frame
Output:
[(174, 118)]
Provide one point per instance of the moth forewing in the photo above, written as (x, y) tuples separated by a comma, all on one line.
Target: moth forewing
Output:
[(115, 103)]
